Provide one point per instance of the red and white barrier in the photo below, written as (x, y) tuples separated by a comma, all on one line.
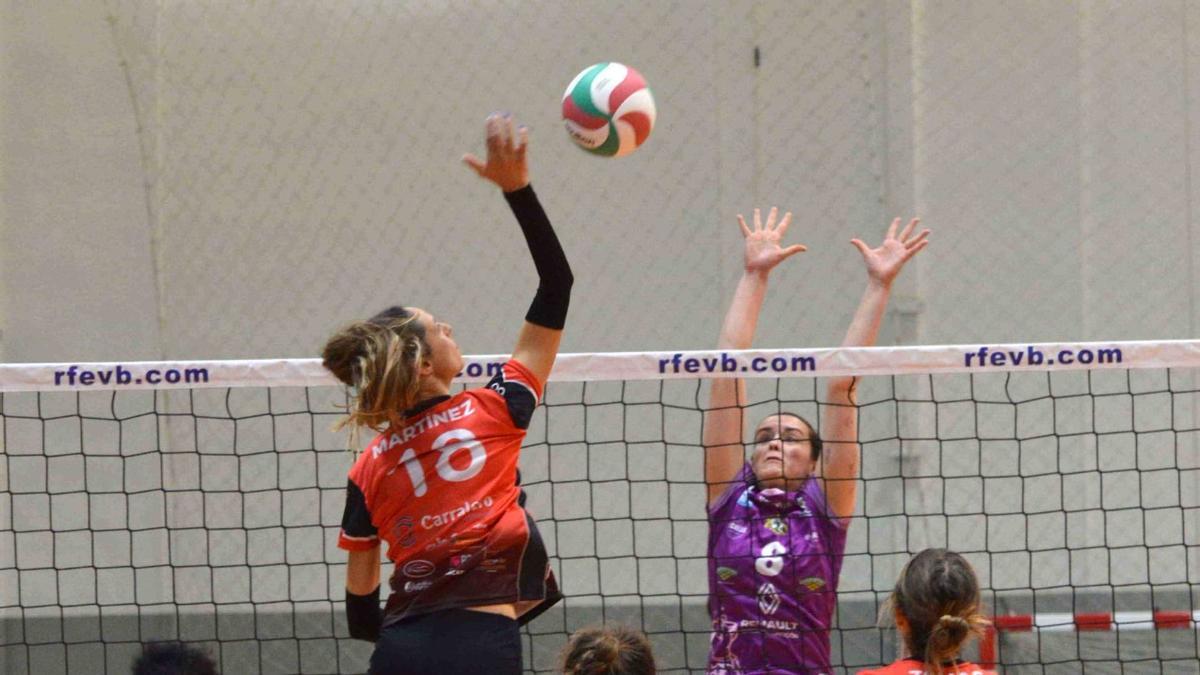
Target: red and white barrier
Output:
[(1079, 622)]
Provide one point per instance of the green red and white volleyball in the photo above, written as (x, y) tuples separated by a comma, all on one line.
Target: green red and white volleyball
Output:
[(608, 109)]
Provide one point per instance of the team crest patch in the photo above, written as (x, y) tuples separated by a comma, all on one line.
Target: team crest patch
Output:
[(776, 525), (403, 531), (813, 583), (726, 573)]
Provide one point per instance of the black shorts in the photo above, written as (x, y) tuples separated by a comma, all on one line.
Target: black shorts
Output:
[(456, 641)]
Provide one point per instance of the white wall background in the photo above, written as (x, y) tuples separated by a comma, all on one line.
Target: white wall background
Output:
[(211, 180)]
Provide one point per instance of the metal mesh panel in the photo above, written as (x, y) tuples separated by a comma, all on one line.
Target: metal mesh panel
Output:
[(301, 165)]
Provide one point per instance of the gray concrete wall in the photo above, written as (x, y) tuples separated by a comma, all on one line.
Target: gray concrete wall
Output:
[(76, 252), (196, 171)]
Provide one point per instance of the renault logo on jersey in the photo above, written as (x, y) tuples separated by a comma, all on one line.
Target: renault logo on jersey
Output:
[(768, 598), (777, 525)]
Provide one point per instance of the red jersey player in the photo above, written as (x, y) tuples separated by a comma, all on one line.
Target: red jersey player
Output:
[(936, 605), (439, 482), (918, 667)]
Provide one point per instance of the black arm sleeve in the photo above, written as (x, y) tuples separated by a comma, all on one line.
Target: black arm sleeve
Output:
[(549, 307), (356, 518), (363, 616)]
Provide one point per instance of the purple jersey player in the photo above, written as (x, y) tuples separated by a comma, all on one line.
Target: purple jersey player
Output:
[(777, 524)]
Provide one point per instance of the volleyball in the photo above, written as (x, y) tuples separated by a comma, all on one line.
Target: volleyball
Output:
[(608, 109)]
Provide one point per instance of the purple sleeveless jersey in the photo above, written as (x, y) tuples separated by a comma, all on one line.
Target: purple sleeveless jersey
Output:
[(773, 564)]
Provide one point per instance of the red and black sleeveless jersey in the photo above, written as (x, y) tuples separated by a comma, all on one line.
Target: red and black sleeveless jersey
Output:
[(442, 492), (915, 667)]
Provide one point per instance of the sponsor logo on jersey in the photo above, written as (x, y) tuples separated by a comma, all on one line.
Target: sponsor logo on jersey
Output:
[(813, 583), (768, 598), (777, 525), (417, 569), (402, 532), (458, 564), (416, 586), (726, 573), (442, 542), (727, 626), (493, 565), (769, 624), (446, 517), (738, 529)]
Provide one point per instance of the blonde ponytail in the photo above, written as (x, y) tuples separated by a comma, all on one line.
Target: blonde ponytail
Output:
[(380, 360)]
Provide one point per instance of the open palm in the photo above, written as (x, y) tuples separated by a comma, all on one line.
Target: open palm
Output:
[(506, 145), (886, 261), (763, 251)]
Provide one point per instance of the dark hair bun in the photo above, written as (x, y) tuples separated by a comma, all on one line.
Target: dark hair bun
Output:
[(615, 650), (607, 648)]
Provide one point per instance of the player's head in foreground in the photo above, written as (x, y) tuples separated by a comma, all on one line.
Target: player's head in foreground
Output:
[(390, 360), (786, 451), (173, 658), (937, 607), (608, 650)]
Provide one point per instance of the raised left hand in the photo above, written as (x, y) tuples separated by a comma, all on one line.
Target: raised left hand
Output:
[(885, 262)]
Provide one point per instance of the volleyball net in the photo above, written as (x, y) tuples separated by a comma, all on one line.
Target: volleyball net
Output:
[(200, 501)]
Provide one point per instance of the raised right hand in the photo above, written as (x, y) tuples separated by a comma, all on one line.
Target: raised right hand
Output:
[(763, 251), (506, 145)]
